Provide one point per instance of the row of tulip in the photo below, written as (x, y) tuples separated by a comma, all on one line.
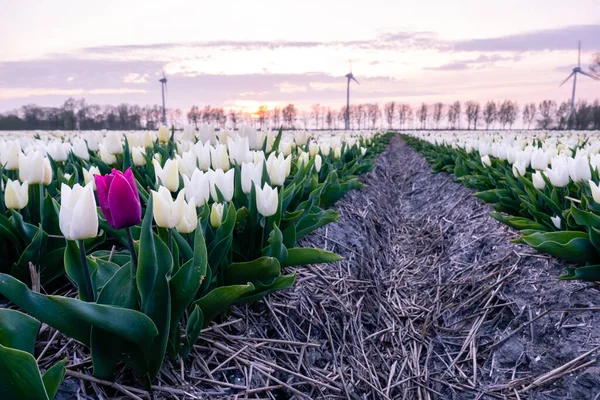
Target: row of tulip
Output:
[(188, 224), (544, 184)]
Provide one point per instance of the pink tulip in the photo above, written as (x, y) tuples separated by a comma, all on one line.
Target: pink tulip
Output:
[(119, 198)]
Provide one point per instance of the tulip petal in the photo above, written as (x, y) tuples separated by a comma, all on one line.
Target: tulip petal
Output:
[(103, 184), (124, 207)]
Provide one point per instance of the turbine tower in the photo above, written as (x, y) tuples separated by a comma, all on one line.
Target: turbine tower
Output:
[(576, 70), (350, 77), (163, 87)]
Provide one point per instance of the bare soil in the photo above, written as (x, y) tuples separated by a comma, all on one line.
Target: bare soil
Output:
[(432, 301)]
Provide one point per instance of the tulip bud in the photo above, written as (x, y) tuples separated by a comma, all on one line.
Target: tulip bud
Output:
[(325, 148), (78, 218), (267, 200), (58, 151), (197, 189), (303, 160), (167, 213), (189, 221), (363, 151), (168, 176), (313, 148), (163, 134), (187, 164), (47, 168), (337, 152), (278, 168), (88, 175), (539, 159), (119, 198), (556, 221), (137, 155), (259, 157), (16, 196), (538, 180), (251, 174), (216, 215), (239, 150), (595, 191), (558, 174), (318, 162)]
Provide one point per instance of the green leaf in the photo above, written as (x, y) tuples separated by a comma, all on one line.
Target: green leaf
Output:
[(32, 253), (18, 330), (261, 290), (75, 318), (74, 268), (308, 255), (154, 265), (567, 245), (19, 376), (518, 223), (263, 269), (588, 273), (192, 330), (184, 286), (54, 377), (220, 299)]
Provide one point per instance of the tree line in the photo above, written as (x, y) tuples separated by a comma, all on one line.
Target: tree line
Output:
[(78, 114)]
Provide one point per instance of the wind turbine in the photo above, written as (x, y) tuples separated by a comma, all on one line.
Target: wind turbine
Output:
[(350, 77), (576, 70), (163, 87)]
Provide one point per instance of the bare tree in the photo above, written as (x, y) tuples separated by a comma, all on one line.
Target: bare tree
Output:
[(289, 114), (329, 118), (422, 112), (390, 112), (276, 117), (489, 113), (547, 113), (595, 67), (262, 114), (529, 114), (438, 111), (316, 113), (562, 114), (404, 114), (472, 109), (454, 115), (373, 112), (234, 117)]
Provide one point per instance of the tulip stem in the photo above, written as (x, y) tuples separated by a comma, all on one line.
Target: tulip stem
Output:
[(87, 279), (134, 258), (170, 233), (41, 189)]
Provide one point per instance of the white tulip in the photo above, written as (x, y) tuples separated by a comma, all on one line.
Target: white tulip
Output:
[(539, 159), (318, 162), (216, 215), (88, 175), (30, 171), (80, 149), (595, 191), (224, 181), (164, 135), (579, 169), (106, 156), (168, 213), (58, 151), (259, 157), (206, 133), (556, 221), (189, 221), (239, 150), (267, 200), (538, 180), (168, 176), (16, 196), (313, 148), (113, 143), (219, 157), (363, 151), (325, 148), (303, 159), (203, 155), (251, 174), (485, 160), (137, 155), (9, 155), (519, 169), (187, 163), (278, 168), (558, 174), (197, 189), (78, 218)]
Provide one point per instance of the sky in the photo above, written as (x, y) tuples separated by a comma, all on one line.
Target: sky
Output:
[(242, 54)]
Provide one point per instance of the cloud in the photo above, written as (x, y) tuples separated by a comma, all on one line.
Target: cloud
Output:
[(18, 93), (484, 60), (563, 38)]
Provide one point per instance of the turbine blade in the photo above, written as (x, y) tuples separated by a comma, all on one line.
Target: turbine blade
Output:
[(568, 77), (590, 75), (579, 55), (354, 79)]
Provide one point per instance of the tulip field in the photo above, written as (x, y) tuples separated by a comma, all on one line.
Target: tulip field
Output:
[(152, 236), (544, 184)]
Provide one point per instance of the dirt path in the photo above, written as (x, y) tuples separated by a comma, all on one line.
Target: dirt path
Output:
[(432, 301)]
